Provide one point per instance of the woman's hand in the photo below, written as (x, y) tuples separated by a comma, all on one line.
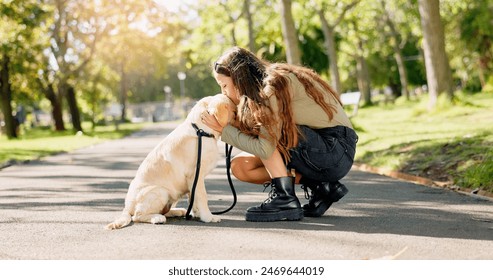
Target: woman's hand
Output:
[(211, 122)]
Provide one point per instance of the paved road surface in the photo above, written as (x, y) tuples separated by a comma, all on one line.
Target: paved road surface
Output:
[(56, 209)]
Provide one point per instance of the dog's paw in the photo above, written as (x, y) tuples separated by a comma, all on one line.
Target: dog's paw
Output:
[(112, 226), (158, 219), (215, 219), (176, 212), (210, 219)]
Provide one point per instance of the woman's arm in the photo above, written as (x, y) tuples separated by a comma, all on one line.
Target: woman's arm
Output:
[(258, 146)]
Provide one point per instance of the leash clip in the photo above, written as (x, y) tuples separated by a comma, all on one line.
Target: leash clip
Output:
[(200, 132)]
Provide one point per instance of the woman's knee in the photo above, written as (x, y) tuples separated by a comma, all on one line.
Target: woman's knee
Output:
[(239, 169), (249, 169)]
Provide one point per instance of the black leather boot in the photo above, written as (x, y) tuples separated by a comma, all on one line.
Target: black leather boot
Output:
[(322, 196), (282, 203)]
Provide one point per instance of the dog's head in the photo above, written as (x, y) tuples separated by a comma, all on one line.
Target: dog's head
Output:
[(219, 105)]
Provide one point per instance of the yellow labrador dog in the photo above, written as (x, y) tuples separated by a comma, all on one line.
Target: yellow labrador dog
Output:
[(168, 171)]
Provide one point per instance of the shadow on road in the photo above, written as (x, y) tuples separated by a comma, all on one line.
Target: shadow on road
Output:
[(91, 183)]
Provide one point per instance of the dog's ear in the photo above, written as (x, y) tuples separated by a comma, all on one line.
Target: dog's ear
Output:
[(221, 112), (222, 108)]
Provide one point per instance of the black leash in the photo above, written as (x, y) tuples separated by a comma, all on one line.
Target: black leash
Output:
[(228, 149), (200, 133)]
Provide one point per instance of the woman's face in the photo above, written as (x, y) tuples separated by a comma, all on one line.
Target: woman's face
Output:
[(227, 87)]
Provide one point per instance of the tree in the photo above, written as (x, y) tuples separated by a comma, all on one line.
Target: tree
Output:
[(233, 15), (46, 83), (438, 73), (119, 48), (329, 38), (362, 73), (6, 97), (397, 44), (97, 83), (209, 34), (74, 33), (249, 18), (357, 45), (20, 23), (289, 32), (477, 33), (143, 40)]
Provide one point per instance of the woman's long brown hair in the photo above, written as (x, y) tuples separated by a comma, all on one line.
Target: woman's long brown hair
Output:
[(256, 80), (277, 83)]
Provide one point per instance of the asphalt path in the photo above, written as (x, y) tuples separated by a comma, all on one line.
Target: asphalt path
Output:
[(56, 208)]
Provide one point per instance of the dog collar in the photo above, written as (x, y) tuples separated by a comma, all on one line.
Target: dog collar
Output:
[(200, 132)]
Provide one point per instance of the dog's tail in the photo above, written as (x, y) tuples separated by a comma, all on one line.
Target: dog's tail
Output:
[(120, 222)]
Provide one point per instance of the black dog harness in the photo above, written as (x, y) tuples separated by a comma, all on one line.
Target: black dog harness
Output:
[(201, 133)]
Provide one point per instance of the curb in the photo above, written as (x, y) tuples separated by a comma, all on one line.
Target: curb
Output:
[(424, 181), (12, 162)]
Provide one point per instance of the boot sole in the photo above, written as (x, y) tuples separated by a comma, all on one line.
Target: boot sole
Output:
[(290, 215), (339, 193), (319, 210)]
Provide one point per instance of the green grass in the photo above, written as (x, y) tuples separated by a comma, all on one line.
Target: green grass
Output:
[(452, 143), (39, 142)]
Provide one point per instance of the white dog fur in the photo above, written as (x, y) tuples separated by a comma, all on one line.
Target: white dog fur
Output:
[(168, 171)]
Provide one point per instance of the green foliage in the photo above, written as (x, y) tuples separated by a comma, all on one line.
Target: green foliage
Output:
[(489, 85), (140, 47), (416, 73), (451, 143), (476, 28), (151, 44), (477, 173), (313, 52)]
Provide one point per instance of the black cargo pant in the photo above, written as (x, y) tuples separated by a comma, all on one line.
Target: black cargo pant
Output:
[(324, 155)]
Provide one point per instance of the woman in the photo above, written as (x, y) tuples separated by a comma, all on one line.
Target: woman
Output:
[(288, 118)]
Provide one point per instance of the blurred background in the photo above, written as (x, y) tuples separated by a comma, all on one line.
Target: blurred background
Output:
[(64, 62)]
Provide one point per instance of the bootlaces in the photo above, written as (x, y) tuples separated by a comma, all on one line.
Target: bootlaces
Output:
[(308, 192), (272, 192)]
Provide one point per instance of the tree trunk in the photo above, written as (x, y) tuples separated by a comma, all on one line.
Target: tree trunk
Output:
[(56, 107), (94, 99), (482, 78), (249, 18), (289, 32), (74, 109), (6, 98), (363, 77), (399, 59), (329, 41), (402, 72), (234, 42), (123, 93), (484, 62), (438, 73)]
